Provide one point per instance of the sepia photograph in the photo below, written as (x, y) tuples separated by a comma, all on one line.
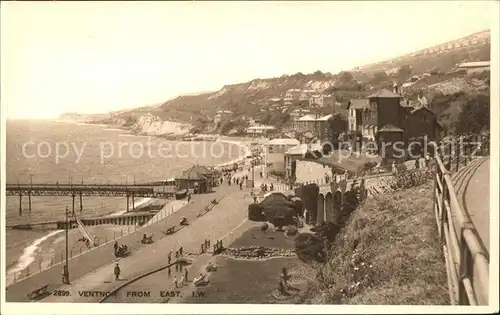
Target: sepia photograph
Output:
[(249, 156)]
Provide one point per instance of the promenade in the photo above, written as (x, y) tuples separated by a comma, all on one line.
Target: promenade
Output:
[(224, 218), (86, 263), (477, 201)]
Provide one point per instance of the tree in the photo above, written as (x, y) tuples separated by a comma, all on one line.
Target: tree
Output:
[(337, 124), (380, 76), (404, 73), (475, 115), (345, 76)]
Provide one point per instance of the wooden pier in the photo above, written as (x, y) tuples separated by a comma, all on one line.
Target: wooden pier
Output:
[(161, 190)]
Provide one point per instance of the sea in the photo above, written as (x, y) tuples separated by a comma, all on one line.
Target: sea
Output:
[(50, 152)]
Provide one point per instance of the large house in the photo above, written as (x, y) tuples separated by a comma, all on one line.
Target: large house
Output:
[(322, 100), (292, 95), (384, 117), (274, 153), (312, 123)]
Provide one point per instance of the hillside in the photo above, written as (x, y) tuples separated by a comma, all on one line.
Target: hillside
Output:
[(253, 98)]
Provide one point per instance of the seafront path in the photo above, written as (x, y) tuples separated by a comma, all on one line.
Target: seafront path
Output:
[(476, 201), (88, 262), (216, 224), (219, 223)]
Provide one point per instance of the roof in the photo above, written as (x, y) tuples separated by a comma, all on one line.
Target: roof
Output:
[(421, 108), (351, 163), (358, 103), (294, 90), (261, 127), (390, 128), (325, 118), (196, 172), (384, 93), (302, 149), (283, 141), (474, 64), (307, 118), (301, 110)]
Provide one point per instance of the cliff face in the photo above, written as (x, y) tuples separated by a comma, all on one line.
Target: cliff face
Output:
[(155, 126)]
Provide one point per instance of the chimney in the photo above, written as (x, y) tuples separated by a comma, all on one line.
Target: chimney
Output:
[(395, 88)]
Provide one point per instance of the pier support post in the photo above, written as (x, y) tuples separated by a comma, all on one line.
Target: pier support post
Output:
[(133, 202), (81, 202), (128, 196), (73, 209), (20, 204), (29, 201)]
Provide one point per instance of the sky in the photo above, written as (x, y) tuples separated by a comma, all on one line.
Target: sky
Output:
[(96, 57)]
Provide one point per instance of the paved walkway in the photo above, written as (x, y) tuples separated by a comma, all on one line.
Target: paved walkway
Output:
[(83, 264), (230, 213), (477, 201)]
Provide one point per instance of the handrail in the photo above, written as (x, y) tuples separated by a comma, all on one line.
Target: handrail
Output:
[(467, 264)]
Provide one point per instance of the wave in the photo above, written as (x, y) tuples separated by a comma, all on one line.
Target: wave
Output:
[(28, 255)]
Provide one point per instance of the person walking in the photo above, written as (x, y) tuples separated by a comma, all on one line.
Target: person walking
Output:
[(189, 198), (186, 275), (202, 248), (115, 246), (117, 271), (169, 257), (241, 185), (65, 279), (176, 284)]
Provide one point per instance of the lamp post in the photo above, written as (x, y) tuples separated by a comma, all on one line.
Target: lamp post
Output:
[(66, 270)]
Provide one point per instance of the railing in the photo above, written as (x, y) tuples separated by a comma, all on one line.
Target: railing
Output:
[(467, 263)]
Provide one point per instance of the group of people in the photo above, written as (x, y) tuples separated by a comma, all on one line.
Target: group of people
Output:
[(265, 188), (204, 246), (184, 279), (119, 249), (178, 253)]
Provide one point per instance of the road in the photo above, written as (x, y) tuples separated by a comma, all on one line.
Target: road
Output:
[(227, 216), (477, 201)]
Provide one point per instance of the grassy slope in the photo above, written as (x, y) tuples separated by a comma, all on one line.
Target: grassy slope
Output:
[(397, 259)]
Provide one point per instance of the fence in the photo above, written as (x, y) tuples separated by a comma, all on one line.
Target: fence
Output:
[(59, 258), (467, 264)]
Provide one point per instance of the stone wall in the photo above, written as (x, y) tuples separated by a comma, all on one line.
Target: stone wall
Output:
[(308, 171)]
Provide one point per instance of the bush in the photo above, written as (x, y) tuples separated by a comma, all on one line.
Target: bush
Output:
[(411, 178), (291, 231)]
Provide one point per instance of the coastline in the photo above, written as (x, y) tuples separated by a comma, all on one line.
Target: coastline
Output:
[(33, 254)]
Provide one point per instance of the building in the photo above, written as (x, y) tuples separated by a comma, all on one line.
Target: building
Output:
[(355, 110), (314, 124), (198, 178), (305, 95), (292, 95), (274, 153), (387, 118), (222, 115), (475, 67), (322, 100), (297, 113), (261, 131), (296, 153)]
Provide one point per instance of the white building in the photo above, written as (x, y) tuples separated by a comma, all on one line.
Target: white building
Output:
[(274, 153), (475, 67), (261, 130)]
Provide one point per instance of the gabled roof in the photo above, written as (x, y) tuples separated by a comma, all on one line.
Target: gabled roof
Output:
[(390, 128), (307, 118), (384, 93), (325, 118), (302, 149), (358, 103), (422, 108), (196, 172)]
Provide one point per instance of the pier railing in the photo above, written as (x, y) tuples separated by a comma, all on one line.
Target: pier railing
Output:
[(467, 263)]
